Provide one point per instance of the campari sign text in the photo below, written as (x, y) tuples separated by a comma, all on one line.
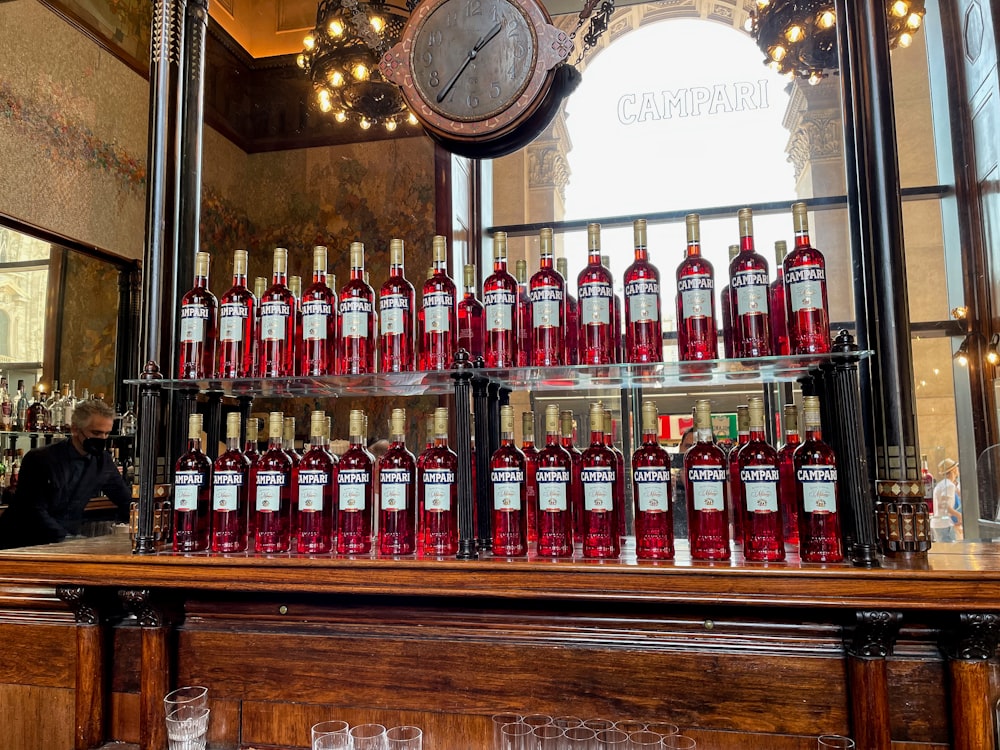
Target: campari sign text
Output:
[(696, 101)]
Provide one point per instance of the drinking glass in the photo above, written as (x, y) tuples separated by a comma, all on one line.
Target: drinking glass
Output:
[(679, 742), (644, 741), (499, 722), (565, 722), (662, 728), (547, 737), (195, 696), (537, 720), (332, 742), (187, 728), (325, 729), (830, 741), (629, 726), (405, 738), (580, 738), (599, 725), (612, 739), (515, 737), (368, 737)]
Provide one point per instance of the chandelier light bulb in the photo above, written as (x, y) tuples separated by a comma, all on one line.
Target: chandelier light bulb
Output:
[(300, 60), (360, 72), (961, 357), (378, 24), (761, 4), (815, 77), (411, 118), (905, 39), (390, 125), (365, 123), (335, 28), (325, 105), (778, 53), (794, 33), (900, 8), (826, 19), (341, 116), (914, 20), (324, 98), (336, 78), (309, 41)]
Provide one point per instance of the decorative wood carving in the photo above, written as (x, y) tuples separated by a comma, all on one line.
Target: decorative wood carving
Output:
[(84, 610), (874, 634), (974, 639)]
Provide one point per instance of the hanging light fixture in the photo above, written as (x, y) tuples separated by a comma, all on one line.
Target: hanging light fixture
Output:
[(341, 56), (799, 37)]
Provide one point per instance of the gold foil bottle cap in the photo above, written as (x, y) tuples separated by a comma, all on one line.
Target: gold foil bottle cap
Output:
[(259, 286), (194, 426), (317, 424), (500, 245), (745, 216), (552, 419), (507, 418), (693, 224), (609, 423), (566, 422), (810, 411), (650, 417), (288, 429), (791, 418), (528, 426), (639, 232), (357, 255), (295, 286), (521, 271), (440, 248), (240, 263), (734, 250), (755, 405), (201, 263), (319, 258), (469, 274), (356, 424), (429, 427), (233, 423), (780, 251), (703, 415), (275, 424), (280, 264), (596, 418), (395, 252), (545, 241), (594, 237), (397, 422), (800, 217), (253, 426), (441, 421), (743, 418)]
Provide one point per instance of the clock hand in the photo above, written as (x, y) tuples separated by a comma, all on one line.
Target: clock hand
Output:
[(483, 41)]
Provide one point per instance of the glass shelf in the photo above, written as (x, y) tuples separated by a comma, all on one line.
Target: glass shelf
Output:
[(664, 375)]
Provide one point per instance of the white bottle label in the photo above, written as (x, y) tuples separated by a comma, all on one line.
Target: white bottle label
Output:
[(194, 319), (394, 484), (805, 287), (352, 487), (393, 309), (653, 488), (598, 489), (354, 314), (186, 486), (819, 488), (597, 298), (437, 312), (696, 293), (315, 320), (499, 305), (552, 484), (232, 322), (507, 485), (269, 484), (225, 490), (708, 485), (751, 289), (643, 300), (760, 485), (272, 320), (312, 483), (437, 489)]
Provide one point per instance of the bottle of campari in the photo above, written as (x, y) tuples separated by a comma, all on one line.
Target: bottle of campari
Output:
[(697, 332), (318, 353), (271, 479), (575, 488), (805, 291), (440, 313), (397, 477), (530, 469), (705, 487), (553, 476), (572, 316), (396, 307), (277, 332), (500, 292), (786, 487), (816, 480), (643, 321), (619, 341), (726, 310), (230, 492), (525, 330), (750, 292), (510, 498), (763, 535), (237, 324), (596, 334), (250, 448), (742, 438), (599, 479), (354, 492), (356, 350), (295, 287), (651, 492), (316, 505), (609, 442), (547, 292), (776, 303), (199, 325), (259, 287), (471, 316), (438, 492), (192, 493)]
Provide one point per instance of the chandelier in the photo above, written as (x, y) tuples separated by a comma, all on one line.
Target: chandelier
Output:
[(341, 56), (799, 37)]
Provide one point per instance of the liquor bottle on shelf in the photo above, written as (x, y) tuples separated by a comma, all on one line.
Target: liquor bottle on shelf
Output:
[(21, 404), (816, 488), (742, 438), (259, 287), (572, 316), (396, 305), (928, 480), (599, 480), (652, 493), (763, 540), (471, 316), (52, 418), (500, 296), (525, 329), (748, 279), (295, 287), (510, 499), (786, 486), (37, 418), (697, 332), (199, 325), (776, 303), (705, 487), (271, 479), (357, 321), (237, 324), (318, 353), (129, 421), (553, 477), (643, 320), (230, 492), (250, 449), (609, 441), (277, 331), (316, 507), (397, 477), (547, 292), (69, 406), (354, 492), (805, 291), (530, 469), (59, 423), (575, 488), (596, 333), (192, 493), (437, 332), (619, 341), (288, 440), (438, 492), (6, 406)]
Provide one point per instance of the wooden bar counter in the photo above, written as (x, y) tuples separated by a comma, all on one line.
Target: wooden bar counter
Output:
[(745, 656)]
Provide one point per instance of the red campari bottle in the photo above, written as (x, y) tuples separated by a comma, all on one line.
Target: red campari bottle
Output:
[(643, 326), (471, 316), (230, 492), (295, 287), (806, 305), (748, 279), (192, 493), (438, 492), (440, 313), (742, 438), (547, 292), (250, 447), (318, 352), (396, 306), (525, 329), (572, 316), (776, 303), (609, 441), (553, 477), (651, 492), (705, 486), (199, 325), (596, 333), (237, 324), (397, 477), (500, 296), (259, 287), (786, 469), (697, 333), (277, 331), (726, 310), (316, 503), (763, 537), (619, 343), (357, 321), (816, 488), (354, 492), (530, 468), (271, 480), (575, 488), (599, 479), (510, 498)]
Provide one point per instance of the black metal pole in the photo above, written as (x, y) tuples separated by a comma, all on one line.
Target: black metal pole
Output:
[(462, 373), (483, 412)]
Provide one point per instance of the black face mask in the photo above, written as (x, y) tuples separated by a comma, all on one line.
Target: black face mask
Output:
[(94, 446)]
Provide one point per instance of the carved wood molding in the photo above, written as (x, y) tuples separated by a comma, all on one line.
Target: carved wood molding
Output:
[(974, 637), (85, 611), (873, 635), (150, 611)]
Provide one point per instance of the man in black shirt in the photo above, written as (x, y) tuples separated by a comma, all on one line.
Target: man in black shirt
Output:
[(58, 480)]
